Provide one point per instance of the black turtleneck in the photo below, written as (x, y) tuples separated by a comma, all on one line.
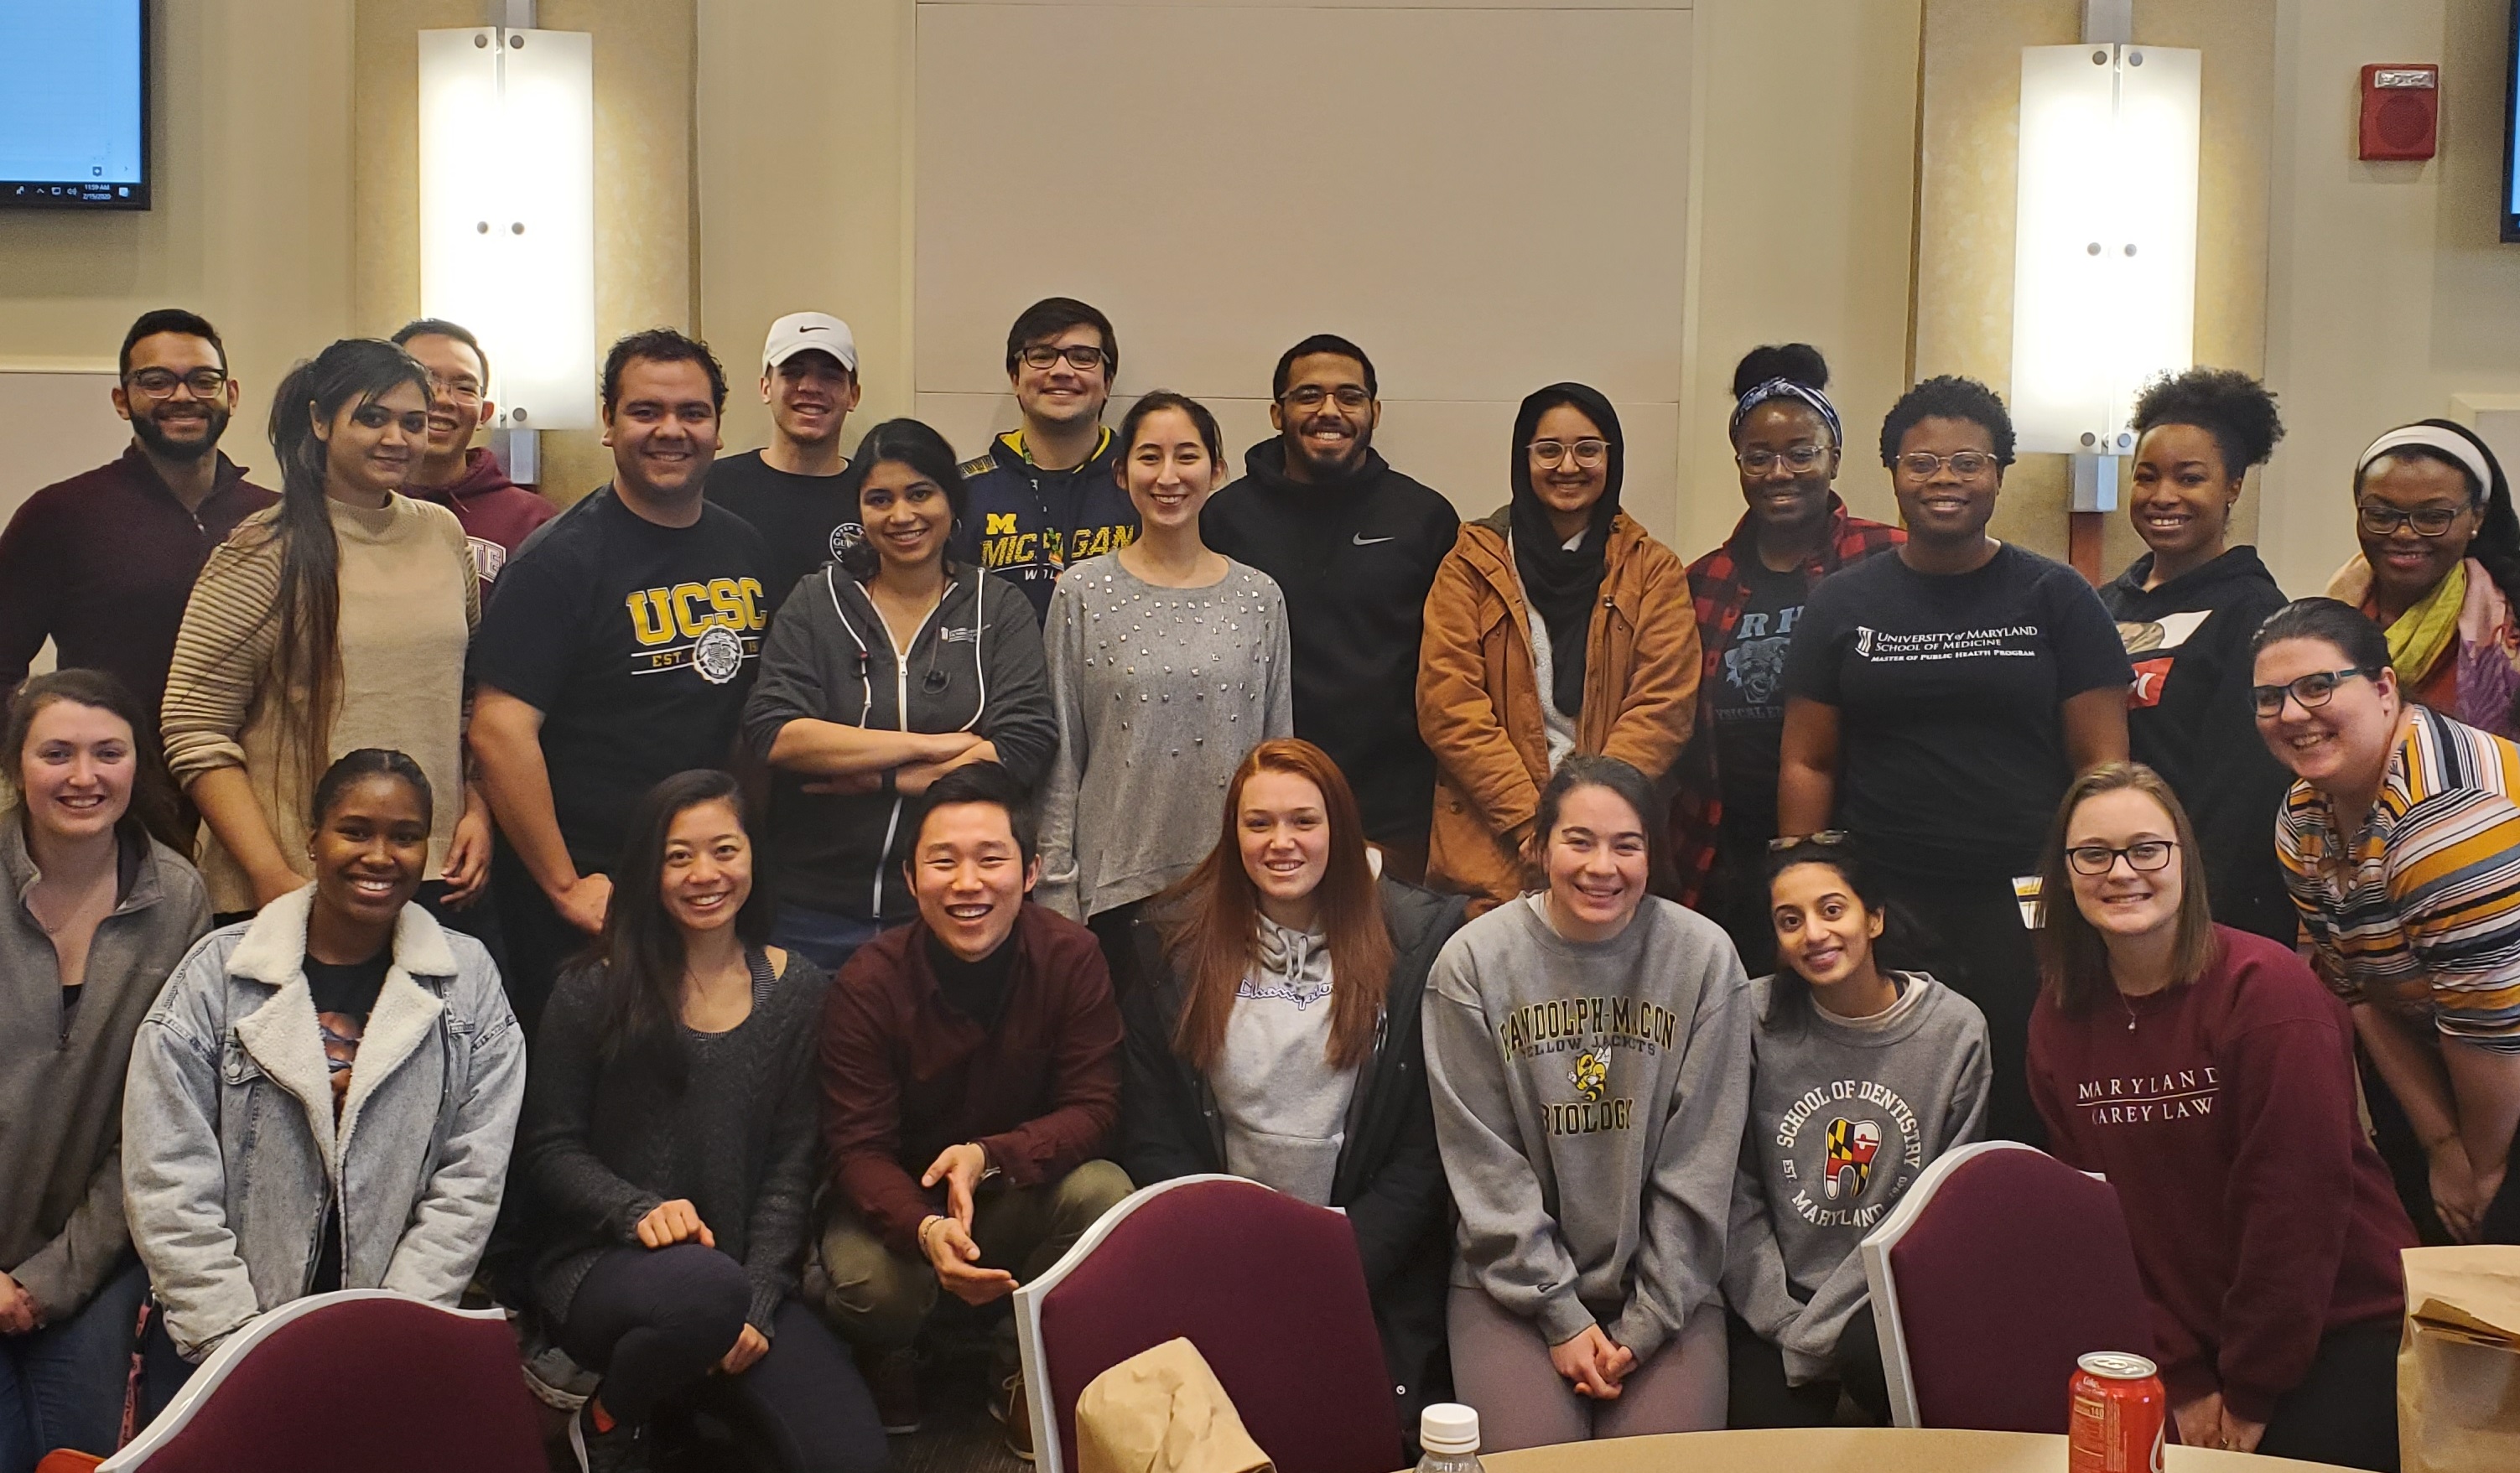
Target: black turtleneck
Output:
[(975, 989)]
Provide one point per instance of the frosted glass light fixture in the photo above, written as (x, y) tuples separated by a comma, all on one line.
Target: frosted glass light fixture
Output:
[(2104, 246), (507, 210)]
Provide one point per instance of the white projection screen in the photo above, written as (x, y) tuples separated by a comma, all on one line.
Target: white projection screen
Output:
[(1486, 197)]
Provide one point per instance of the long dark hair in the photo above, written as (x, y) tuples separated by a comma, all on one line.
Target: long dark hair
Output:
[(641, 951), (1219, 931), (1201, 418), (912, 443), (308, 604), (153, 806), (1900, 945)]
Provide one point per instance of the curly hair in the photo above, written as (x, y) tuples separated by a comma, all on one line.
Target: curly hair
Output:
[(2236, 409), (1948, 397), (1799, 361)]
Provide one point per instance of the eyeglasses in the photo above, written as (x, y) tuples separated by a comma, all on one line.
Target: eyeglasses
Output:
[(2143, 857), (1825, 837), (1313, 395), (1586, 452), (1798, 458), (161, 383), (1968, 464), (1080, 356), (2384, 521), (2312, 690), (465, 392)]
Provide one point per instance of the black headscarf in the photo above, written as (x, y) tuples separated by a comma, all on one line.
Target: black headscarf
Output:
[(1563, 586)]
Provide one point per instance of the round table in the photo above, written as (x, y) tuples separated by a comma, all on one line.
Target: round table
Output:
[(1850, 1450)]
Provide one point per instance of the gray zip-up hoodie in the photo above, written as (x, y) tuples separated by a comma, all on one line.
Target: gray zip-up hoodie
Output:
[(1844, 1117), (234, 1152), (1589, 1098), (62, 1233), (976, 665)]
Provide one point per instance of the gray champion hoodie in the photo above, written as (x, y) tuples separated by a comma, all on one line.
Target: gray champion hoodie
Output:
[(1843, 1118), (1588, 1100)]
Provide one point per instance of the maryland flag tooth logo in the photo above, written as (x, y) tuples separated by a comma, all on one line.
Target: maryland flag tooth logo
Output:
[(1852, 1146), (1590, 1073)]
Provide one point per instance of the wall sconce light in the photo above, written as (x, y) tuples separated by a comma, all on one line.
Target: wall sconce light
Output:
[(2104, 246), (507, 215)]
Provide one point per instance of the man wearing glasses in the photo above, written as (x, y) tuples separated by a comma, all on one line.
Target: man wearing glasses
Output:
[(1353, 544), (497, 513), (103, 564), (1044, 496)]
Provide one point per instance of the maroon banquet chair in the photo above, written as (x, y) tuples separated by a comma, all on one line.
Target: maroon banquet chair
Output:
[(1268, 1289), (2000, 1267), (365, 1379)]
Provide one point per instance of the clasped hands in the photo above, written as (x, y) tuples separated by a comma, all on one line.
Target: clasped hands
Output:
[(946, 1237)]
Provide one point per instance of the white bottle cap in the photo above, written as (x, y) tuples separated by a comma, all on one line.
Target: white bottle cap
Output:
[(1449, 1427)]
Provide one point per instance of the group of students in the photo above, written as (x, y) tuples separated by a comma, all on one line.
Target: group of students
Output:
[(1474, 774)]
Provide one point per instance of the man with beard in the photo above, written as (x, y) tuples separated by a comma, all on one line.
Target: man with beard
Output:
[(497, 513), (1353, 544), (102, 564), (797, 491)]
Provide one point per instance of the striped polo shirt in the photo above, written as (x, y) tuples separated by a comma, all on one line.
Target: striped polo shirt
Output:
[(2422, 912)]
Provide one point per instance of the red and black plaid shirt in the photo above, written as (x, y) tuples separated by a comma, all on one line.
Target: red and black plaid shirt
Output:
[(1719, 593)]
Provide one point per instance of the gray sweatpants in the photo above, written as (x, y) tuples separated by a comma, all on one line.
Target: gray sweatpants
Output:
[(1501, 1366)]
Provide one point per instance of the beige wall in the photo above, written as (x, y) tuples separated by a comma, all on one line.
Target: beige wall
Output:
[(1969, 143), (252, 223)]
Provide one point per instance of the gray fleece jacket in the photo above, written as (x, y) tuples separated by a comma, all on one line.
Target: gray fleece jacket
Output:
[(234, 1152), (62, 1234), (1844, 1117), (1589, 1099)]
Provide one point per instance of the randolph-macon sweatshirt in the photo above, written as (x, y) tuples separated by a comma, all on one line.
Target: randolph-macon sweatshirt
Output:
[(1627, 1062), (1845, 1114)]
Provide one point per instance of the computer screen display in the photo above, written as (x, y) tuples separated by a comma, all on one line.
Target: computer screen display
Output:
[(75, 110)]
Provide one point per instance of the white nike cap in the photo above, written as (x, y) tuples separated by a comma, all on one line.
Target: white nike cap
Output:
[(798, 331)]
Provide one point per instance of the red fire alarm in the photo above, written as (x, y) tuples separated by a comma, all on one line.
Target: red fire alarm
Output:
[(2401, 111)]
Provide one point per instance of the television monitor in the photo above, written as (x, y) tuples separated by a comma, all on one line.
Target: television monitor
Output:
[(74, 111), (2510, 207)]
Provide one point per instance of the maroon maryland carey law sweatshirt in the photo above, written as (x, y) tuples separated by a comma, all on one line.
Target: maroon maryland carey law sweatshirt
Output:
[(2261, 1215)]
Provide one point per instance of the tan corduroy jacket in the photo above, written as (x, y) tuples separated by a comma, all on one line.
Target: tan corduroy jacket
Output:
[(1478, 695)]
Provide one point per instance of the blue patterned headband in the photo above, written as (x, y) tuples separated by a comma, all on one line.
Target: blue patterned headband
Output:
[(1787, 388)]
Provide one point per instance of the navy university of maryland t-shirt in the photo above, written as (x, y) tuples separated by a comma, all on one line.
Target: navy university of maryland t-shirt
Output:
[(637, 643)]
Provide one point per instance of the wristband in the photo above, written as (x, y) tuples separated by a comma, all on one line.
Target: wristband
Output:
[(922, 1230)]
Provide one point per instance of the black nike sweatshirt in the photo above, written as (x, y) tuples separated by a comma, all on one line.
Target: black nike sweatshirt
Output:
[(2189, 719), (1355, 559)]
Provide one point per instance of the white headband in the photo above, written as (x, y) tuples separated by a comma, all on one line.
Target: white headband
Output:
[(2440, 441)]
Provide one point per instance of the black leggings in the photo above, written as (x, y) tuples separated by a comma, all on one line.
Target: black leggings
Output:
[(1977, 946), (2345, 1412), (655, 1323), (1761, 1397)]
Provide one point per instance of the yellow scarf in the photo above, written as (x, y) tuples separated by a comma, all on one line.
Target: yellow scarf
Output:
[(2421, 635)]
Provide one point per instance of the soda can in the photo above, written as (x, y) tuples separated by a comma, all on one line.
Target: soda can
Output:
[(2118, 1413)]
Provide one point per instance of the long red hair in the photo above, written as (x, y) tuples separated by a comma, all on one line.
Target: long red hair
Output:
[(1215, 931)]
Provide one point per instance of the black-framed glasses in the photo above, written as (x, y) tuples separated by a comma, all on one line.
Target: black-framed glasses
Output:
[(2312, 690), (1587, 452), (1798, 458), (2384, 521), (161, 383), (1968, 464), (1314, 396), (1081, 356), (1825, 837), (2144, 856)]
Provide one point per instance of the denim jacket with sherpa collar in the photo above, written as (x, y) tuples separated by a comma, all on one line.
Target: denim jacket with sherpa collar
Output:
[(232, 1154)]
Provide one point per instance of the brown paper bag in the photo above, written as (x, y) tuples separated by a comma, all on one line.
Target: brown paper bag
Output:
[(2458, 1363), (1162, 1410)]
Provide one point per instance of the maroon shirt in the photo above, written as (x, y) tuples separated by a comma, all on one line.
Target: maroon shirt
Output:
[(497, 513), (906, 1074), (104, 563), (2226, 1118)]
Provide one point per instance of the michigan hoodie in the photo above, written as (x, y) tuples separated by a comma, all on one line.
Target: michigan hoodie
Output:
[(2188, 718), (1354, 557), (1027, 525), (1589, 1101)]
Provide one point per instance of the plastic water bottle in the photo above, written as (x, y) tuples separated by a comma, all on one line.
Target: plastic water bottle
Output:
[(1448, 1432)]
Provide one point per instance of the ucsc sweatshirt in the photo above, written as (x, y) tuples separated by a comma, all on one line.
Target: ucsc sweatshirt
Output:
[(2224, 1113), (1588, 1100), (1845, 1114)]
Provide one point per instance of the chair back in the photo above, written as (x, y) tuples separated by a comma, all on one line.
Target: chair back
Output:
[(1267, 1288), (1999, 1270), (366, 1379)]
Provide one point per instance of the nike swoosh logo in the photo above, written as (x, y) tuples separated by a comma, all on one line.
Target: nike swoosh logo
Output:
[(1363, 541)]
